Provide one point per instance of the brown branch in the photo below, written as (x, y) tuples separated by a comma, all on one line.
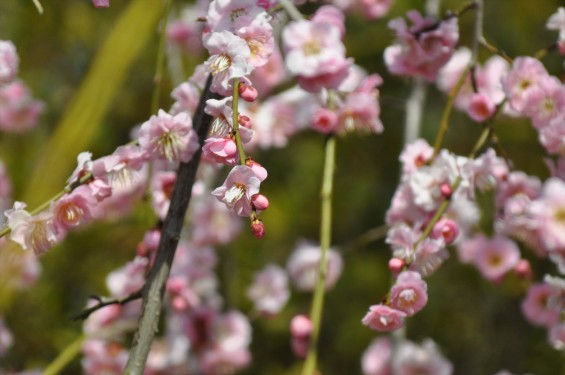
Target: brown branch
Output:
[(449, 15), (154, 288), (118, 301)]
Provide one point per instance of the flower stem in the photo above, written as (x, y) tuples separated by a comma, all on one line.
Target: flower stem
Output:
[(444, 125), (65, 357), (235, 121), (325, 241)]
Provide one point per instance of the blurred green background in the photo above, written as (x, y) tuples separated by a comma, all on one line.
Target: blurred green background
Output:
[(478, 326)]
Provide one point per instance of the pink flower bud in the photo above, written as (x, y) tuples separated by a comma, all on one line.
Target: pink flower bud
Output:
[(244, 121), (447, 229), (446, 190), (300, 327), (395, 265), (247, 92), (325, 121), (481, 107), (257, 228), (523, 269), (260, 202)]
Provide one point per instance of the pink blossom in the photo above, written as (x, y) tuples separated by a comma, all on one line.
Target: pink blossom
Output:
[(447, 229), (488, 170), (122, 166), (493, 257), (74, 209), (548, 214), (232, 15), (421, 53), (35, 233), (229, 56), (168, 137), (521, 79), (315, 53), (377, 357), (269, 291), (409, 294), (415, 155), (374, 9), (420, 359), (220, 150), (101, 3), (535, 305), (481, 108), (383, 318), (162, 185), (552, 135), (304, 262), (259, 39), (186, 97), (238, 189), (325, 121), (186, 31), (19, 112), (361, 111), (545, 101), (9, 62)]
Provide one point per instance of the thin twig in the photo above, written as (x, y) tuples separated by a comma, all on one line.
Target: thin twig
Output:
[(118, 301)]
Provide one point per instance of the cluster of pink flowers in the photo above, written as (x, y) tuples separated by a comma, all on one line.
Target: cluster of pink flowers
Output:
[(408, 358), (19, 112), (423, 48), (479, 105)]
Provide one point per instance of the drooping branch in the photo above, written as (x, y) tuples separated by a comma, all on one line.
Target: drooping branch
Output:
[(84, 314), (154, 289)]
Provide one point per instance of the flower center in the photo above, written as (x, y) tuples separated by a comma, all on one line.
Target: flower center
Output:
[(311, 48), (219, 63), (168, 144), (234, 194)]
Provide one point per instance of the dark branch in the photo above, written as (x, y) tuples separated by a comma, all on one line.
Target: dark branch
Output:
[(101, 303), (154, 288)]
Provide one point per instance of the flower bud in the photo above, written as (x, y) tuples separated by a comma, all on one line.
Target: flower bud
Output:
[(447, 229), (300, 327), (244, 121), (247, 92), (395, 265), (260, 202), (325, 121), (257, 228), (523, 269), (446, 190)]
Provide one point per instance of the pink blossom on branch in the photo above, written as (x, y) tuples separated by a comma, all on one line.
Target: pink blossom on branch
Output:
[(101, 3), (168, 137), (384, 318), (418, 52), (238, 189)]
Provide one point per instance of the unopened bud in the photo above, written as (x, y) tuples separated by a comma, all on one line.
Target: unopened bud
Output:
[(447, 229), (395, 265), (257, 228), (300, 327), (523, 269), (260, 202), (325, 121), (446, 190), (244, 121), (247, 92)]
